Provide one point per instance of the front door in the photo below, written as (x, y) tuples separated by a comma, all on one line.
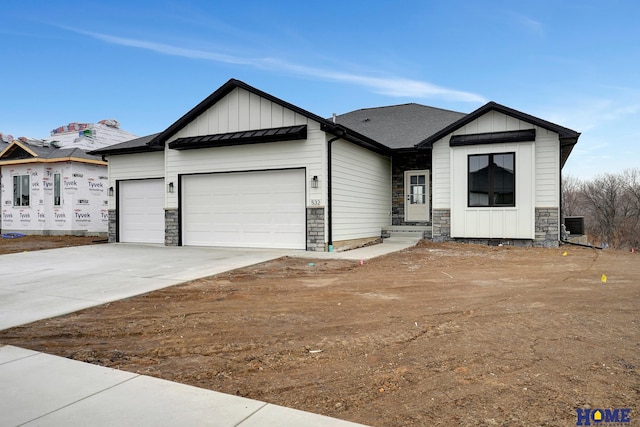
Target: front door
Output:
[(416, 190)]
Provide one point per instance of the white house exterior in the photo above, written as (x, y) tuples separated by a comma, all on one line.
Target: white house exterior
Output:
[(536, 149), (246, 169), (52, 191)]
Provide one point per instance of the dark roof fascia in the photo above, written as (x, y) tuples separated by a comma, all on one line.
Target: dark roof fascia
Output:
[(566, 146), (355, 137), (493, 137), (137, 145), (216, 96), (563, 132), (126, 150), (288, 133)]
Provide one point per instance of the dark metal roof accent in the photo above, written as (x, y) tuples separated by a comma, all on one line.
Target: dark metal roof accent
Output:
[(568, 138), (138, 145), (493, 137), (288, 133), (399, 127)]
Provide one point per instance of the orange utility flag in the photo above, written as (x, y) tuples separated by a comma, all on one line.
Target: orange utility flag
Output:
[(603, 278)]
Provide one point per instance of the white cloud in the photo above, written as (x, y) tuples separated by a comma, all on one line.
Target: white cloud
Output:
[(391, 86)]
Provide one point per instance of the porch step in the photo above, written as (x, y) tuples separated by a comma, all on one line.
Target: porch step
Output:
[(422, 231)]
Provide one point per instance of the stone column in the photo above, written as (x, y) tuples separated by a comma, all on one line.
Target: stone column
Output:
[(171, 227), (315, 229), (547, 228), (112, 234), (441, 225)]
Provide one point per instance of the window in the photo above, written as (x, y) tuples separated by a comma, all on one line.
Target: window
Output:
[(492, 180), (56, 190), (418, 190), (21, 190)]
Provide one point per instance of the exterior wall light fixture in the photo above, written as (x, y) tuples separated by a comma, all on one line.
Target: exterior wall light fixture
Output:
[(314, 182), (170, 187)]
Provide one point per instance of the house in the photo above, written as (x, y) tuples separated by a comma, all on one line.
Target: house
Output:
[(51, 191), (246, 169), (52, 186)]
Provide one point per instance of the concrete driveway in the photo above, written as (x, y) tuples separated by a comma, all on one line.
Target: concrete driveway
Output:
[(44, 390), (42, 284)]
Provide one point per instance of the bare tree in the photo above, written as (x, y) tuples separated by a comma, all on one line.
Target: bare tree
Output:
[(571, 195), (631, 178), (611, 207)]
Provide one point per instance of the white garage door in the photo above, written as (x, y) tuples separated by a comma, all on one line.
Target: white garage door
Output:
[(245, 209), (141, 211)]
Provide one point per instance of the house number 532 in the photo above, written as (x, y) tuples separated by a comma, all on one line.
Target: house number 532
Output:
[(315, 202)]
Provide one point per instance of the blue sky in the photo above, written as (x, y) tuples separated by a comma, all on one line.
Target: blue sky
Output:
[(146, 63)]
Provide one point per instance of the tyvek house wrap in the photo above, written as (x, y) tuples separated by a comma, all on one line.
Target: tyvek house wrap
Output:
[(83, 207)]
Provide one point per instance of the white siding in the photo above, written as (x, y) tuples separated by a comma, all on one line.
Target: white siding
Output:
[(537, 180), (240, 110), (441, 174), (547, 169), (361, 195), (134, 166)]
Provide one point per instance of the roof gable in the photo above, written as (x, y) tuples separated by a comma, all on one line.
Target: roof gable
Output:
[(16, 153), (568, 138), (217, 96), (563, 132)]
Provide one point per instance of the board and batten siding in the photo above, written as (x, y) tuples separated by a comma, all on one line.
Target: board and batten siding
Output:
[(361, 192), (537, 180), (516, 222), (242, 110), (134, 166)]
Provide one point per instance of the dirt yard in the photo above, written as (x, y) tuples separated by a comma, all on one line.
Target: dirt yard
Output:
[(440, 334), (38, 243)]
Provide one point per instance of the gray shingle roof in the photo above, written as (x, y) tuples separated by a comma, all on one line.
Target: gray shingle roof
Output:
[(399, 126), (49, 153)]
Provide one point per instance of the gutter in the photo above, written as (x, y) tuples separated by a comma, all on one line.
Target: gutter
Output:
[(341, 134)]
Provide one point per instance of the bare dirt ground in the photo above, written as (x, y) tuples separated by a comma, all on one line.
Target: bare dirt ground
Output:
[(440, 334), (38, 243)]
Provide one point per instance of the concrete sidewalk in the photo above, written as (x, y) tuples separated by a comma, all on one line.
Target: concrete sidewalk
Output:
[(44, 390)]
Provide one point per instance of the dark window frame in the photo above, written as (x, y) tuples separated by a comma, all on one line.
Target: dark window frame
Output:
[(57, 189), (19, 199), (490, 184)]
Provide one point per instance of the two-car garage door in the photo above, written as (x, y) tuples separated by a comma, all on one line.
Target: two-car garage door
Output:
[(264, 209)]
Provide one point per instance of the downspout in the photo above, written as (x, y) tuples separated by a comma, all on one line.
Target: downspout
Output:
[(561, 217), (330, 188)]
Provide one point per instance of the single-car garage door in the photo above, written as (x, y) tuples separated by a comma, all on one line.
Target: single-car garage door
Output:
[(141, 211), (263, 209)]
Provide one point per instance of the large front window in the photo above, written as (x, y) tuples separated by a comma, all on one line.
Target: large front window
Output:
[(492, 180), (21, 190)]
